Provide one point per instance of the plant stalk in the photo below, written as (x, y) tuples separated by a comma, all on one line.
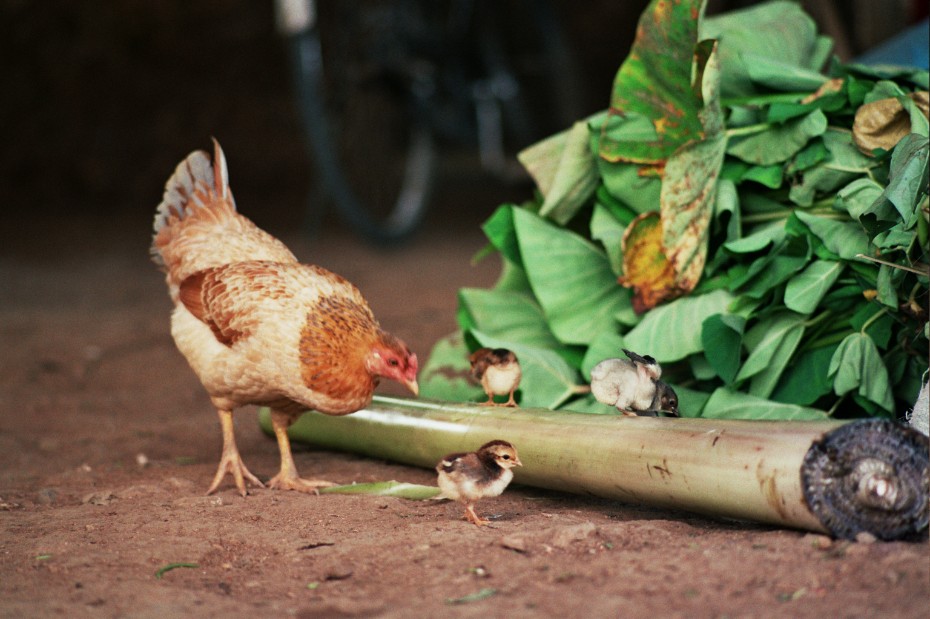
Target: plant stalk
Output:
[(741, 469)]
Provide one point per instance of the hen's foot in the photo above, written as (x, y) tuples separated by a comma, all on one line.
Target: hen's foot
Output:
[(287, 482), (232, 463)]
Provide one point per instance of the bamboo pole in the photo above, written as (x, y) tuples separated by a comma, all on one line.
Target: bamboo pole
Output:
[(740, 469)]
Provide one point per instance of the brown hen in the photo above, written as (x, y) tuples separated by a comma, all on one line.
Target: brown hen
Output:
[(258, 327)]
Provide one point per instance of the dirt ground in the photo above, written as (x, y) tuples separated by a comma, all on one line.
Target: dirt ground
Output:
[(108, 442)]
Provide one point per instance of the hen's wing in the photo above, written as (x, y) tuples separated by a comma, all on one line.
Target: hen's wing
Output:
[(197, 227), (303, 329)]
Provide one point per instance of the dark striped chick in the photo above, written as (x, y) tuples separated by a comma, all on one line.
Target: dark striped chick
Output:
[(469, 477)]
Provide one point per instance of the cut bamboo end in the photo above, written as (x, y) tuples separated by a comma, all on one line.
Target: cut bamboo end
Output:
[(751, 470), (869, 477)]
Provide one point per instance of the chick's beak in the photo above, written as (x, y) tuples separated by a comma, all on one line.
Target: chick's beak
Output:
[(516, 462)]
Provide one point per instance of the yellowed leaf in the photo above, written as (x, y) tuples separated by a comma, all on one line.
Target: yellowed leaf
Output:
[(646, 269)]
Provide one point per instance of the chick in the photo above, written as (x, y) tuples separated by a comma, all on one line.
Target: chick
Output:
[(498, 371), (468, 477), (665, 401), (632, 385)]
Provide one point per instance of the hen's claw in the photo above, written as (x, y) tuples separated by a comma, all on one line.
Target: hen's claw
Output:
[(232, 463), (286, 482)]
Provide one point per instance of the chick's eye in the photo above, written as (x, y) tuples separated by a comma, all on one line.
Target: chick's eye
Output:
[(505, 457)]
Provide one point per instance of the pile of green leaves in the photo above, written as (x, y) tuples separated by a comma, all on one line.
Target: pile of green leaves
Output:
[(729, 215)]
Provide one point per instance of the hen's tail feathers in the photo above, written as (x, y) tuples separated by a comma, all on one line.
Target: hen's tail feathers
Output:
[(198, 188)]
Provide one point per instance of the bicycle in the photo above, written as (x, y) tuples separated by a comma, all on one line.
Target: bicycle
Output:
[(381, 84)]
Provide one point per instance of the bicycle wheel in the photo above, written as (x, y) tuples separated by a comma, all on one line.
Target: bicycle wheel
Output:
[(374, 154)]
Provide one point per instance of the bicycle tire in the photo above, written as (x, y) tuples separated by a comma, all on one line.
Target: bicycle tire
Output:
[(402, 211)]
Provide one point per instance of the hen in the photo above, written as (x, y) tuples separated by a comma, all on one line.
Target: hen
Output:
[(256, 326), (633, 385)]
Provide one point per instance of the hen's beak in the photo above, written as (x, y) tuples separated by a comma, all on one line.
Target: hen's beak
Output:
[(412, 386)]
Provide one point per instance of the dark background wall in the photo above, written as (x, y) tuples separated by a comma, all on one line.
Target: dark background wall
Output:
[(101, 99)]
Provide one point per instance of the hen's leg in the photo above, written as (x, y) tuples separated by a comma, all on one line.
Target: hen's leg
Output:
[(288, 479), (231, 461), (472, 517)]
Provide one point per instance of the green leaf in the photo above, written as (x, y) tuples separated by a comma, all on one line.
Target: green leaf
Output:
[(630, 185), (771, 176), (874, 321), (779, 142), (763, 236), (473, 597), (858, 196), (691, 402), (806, 289), (548, 380), (773, 269), (843, 238), (620, 211), (887, 291), (809, 156), (564, 170), (805, 380), (908, 181), (512, 279), (500, 231), (722, 338), (655, 81), (857, 365), (726, 203), (844, 164), (589, 404), (780, 75), (608, 230), (780, 31), (668, 332), (725, 403), (447, 373), (770, 342), (608, 346), (571, 278), (402, 490), (507, 315)]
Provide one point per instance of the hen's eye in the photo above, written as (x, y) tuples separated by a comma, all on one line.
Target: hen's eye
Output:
[(393, 362)]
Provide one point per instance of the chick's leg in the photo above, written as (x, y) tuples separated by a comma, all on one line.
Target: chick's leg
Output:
[(510, 401), (231, 461), (288, 479), (472, 517)]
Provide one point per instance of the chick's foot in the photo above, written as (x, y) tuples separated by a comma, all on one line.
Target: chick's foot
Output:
[(473, 517)]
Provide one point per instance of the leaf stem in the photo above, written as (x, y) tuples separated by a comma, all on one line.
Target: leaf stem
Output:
[(747, 130), (873, 318), (836, 404), (789, 97)]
